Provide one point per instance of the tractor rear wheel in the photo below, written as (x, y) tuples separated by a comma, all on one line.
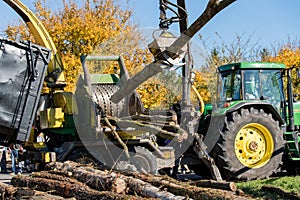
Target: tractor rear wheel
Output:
[(251, 145)]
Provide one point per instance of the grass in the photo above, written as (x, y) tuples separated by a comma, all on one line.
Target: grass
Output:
[(254, 188)]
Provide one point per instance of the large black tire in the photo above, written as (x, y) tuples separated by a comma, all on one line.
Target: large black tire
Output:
[(144, 160), (251, 145)]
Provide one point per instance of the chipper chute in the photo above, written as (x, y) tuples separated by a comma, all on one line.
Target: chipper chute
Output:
[(22, 71)]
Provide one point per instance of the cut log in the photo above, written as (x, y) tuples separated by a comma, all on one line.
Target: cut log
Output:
[(7, 191), (179, 188), (53, 176), (119, 186), (63, 188), (147, 185), (98, 180), (103, 181), (145, 189), (223, 185), (281, 192), (11, 192)]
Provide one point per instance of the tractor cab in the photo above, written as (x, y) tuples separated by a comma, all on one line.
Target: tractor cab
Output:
[(251, 82)]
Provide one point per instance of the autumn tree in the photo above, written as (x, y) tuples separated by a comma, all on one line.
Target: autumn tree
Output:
[(77, 30), (98, 27), (241, 49)]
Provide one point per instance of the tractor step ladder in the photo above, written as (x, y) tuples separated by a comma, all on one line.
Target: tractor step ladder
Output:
[(292, 140)]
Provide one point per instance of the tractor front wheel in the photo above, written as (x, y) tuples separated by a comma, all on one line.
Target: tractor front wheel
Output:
[(250, 147)]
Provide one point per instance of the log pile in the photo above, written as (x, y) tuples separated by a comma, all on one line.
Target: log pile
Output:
[(72, 180)]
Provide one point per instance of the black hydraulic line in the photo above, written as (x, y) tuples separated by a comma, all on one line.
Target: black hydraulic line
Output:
[(185, 68), (181, 14)]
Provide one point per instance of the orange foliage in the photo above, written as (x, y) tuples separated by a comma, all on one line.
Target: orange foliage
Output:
[(291, 58), (201, 84), (152, 94)]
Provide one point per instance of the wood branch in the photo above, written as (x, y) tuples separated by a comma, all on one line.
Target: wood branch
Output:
[(281, 192), (103, 180), (116, 135), (213, 8), (40, 196), (152, 118), (180, 135), (212, 2), (147, 190), (131, 84)]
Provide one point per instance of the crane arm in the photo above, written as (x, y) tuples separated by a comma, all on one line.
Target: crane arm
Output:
[(55, 69), (174, 51)]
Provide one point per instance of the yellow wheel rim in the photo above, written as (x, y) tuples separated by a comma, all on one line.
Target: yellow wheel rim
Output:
[(254, 145)]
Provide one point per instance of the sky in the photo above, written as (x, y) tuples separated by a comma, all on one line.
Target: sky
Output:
[(266, 21)]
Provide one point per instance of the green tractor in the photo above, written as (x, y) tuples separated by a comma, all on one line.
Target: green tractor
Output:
[(254, 126)]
